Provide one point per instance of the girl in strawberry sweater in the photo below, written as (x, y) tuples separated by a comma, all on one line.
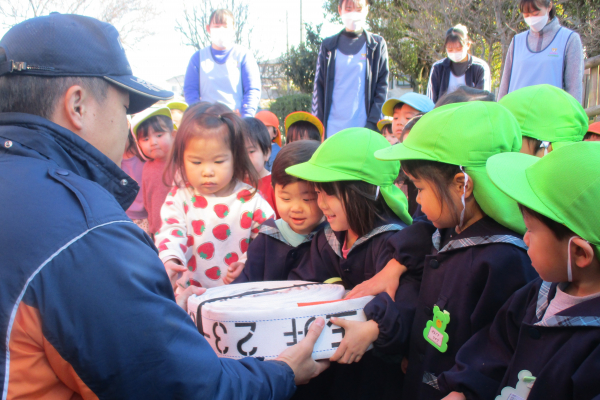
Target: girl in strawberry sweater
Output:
[(210, 215)]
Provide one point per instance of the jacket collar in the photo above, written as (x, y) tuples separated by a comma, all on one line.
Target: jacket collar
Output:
[(336, 239), (333, 44), (42, 138), (269, 228), (586, 314)]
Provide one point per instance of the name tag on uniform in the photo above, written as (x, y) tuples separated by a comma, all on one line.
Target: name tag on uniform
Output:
[(435, 330)]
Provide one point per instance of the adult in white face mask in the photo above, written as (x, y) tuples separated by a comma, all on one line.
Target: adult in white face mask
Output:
[(223, 72), (459, 68), (352, 72), (546, 53)]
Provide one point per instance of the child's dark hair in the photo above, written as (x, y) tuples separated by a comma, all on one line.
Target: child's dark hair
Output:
[(387, 129), (258, 134), (132, 147), (217, 120), (291, 154), (536, 4), (464, 94), (534, 143), (359, 202), (560, 231), (590, 135), (159, 123), (439, 174), (457, 34), (341, 2), (409, 125), (220, 15), (303, 130)]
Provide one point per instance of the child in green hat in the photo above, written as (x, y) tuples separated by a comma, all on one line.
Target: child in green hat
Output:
[(479, 258), (548, 117), (544, 342), (367, 229)]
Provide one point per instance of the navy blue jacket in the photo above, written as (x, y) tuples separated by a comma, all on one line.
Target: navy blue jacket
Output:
[(475, 76), (376, 85), (271, 257), (91, 281), (471, 276), (563, 353)]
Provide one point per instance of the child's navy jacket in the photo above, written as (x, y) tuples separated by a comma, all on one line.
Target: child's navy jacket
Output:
[(563, 353), (471, 276), (271, 257)]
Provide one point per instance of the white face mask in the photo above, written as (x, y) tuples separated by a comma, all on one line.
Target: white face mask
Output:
[(355, 21), (537, 23), (459, 55), (222, 37)]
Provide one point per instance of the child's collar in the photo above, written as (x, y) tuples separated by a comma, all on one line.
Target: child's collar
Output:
[(336, 242), (586, 314), (270, 228)]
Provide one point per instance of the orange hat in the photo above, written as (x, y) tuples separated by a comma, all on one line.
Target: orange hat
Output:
[(594, 128), (270, 119), (304, 116)]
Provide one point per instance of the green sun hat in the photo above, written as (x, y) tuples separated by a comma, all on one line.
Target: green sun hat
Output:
[(349, 156), (547, 113), (467, 134), (564, 185)]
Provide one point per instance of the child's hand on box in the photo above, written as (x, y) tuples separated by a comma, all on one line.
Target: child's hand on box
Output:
[(358, 337), (386, 280), (234, 270)]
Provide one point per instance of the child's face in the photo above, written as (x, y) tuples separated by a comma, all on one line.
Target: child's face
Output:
[(333, 209), (431, 205), (257, 157), (401, 117), (387, 133), (297, 205), (272, 131), (157, 144), (209, 165), (548, 254)]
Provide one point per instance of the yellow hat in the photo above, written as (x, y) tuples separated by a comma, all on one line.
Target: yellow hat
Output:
[(150, 112), (304, 116), (383, 123)]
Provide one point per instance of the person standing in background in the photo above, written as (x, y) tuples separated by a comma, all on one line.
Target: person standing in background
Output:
[(351, 74), (546, 53), (224, 72), (459, 68)]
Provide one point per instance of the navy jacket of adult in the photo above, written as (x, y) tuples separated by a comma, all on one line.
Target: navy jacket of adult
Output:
[(85, 305), (376, 85), (439, 78)]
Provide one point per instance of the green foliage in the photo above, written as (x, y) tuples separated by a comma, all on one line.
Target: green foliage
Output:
[(286, 105), (301, 61)]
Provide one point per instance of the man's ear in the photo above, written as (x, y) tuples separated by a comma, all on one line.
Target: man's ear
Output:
[(70, 110), (583, 251)]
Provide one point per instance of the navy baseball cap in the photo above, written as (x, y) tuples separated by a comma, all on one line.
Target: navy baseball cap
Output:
[(417, 101), (74, 45)]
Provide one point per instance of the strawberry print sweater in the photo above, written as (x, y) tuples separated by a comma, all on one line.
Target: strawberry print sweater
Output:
[(209, 233)]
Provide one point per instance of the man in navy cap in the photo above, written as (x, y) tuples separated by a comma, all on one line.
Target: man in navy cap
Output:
[(86, 308)]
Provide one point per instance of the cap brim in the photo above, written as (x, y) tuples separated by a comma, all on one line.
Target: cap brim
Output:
[(177, 105), (508, 171), (315, 173), (558, 145), (383, 123), (399, 152), (388, 107), (302, 116), (142, 94)]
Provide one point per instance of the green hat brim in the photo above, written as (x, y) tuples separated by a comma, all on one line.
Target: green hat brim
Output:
[(558, 145), (316, 173), (508, 172), (401, 152)]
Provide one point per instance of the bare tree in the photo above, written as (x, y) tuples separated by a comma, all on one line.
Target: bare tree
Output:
[(130, 17)]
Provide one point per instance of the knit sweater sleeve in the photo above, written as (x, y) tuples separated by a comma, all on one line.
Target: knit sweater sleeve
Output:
[(505, 81), (573, 67)]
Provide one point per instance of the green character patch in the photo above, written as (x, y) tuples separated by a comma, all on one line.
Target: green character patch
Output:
[(435, 331), (522, 389)]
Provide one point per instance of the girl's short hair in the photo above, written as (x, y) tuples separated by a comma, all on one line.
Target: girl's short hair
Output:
[(220, 15), (440, 175), (258, 134), (362, 208), (536, 4), (464, 94), (205, 120), (291, 154), (387, 128), (457, 34), (560, 231), (159, 123), (302, 130), (132, 146), (341, 2)]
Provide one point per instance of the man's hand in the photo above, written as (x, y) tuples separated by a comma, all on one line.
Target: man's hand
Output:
[(357, 338), (386, 280), (298, 357), (234, 270), (174, 268), (455, 396), (183, 297)]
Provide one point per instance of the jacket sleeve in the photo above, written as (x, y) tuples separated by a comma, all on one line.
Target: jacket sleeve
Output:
[(108, 308), (506, 72), (411, 245), (171, 238), (254, 269), (381, 87), (251, 84), (320, 266), (318, 98), (483, 360), (191, 83), (573, 75), (433, 86)]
